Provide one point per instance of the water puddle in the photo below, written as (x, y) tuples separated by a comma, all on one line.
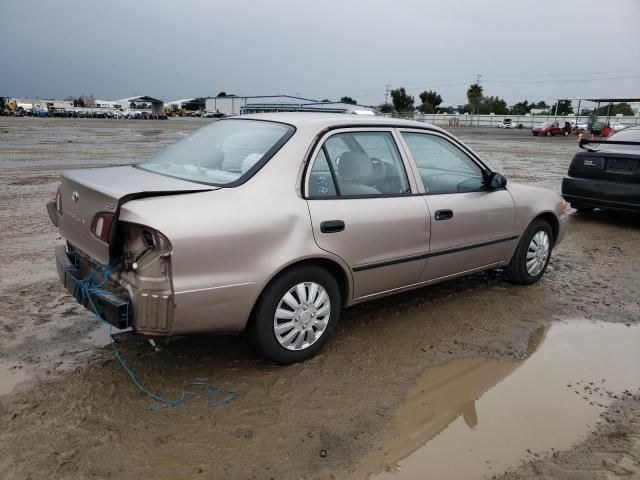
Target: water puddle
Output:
[(475, 417), (10, 376)]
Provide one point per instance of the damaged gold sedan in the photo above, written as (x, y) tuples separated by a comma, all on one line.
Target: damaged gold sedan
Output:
[(272, 223)]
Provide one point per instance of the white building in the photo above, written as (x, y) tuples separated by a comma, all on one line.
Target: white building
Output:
[(239, 105)]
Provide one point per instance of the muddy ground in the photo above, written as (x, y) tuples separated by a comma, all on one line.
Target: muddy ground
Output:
[(67, 410)]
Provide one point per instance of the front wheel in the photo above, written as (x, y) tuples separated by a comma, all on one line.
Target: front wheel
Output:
[(532, 256), (296, 315)]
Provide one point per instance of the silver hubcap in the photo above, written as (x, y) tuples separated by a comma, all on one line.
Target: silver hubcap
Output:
[(537, 253), (302, 316)]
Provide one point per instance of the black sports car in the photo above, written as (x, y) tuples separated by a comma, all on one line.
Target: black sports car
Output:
[(607, 174)]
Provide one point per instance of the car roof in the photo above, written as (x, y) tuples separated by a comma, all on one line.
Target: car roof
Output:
[(322, 121)]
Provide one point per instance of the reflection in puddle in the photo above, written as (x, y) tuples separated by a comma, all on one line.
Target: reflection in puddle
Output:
[(476, 417), (10, 376)]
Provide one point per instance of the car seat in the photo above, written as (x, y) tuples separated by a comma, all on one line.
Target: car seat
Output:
[(353, 169)]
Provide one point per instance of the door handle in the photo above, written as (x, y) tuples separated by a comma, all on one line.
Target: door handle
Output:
[(332, 226), (444, 214)]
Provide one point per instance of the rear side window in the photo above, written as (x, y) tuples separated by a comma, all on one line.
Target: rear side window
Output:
[(358, 164), (443, 167), (321, 182)]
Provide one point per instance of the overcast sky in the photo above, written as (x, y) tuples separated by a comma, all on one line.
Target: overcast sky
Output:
[(533, 50)]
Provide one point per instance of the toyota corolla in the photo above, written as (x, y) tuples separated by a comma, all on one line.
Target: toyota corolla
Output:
[(271, 224)]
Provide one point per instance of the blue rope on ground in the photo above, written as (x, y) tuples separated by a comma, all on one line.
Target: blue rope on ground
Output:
[(85, 288)]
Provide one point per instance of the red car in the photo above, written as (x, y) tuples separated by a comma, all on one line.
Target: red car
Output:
[(551, 129)]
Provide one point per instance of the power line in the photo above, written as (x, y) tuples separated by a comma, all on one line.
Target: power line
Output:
[(573, 74), (573, 80)]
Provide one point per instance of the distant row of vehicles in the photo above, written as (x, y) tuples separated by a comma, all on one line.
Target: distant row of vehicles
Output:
[(551, 129), (88, 113)]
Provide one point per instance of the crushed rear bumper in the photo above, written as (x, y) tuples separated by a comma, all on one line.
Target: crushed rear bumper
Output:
[(112, 307)]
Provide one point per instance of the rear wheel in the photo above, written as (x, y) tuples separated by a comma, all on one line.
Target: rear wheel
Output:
[(532, 256), (296, 315)]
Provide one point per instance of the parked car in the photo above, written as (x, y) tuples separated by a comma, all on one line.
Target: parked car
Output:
[(607, 174), (272, 223), (579, 126), (551, 129), (506, 123)]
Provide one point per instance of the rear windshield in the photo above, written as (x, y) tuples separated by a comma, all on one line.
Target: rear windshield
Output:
[(225, 153), (626, 135)]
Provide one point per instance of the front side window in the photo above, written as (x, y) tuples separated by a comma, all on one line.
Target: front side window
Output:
[(224, 153), (443, 167), (358, 164)]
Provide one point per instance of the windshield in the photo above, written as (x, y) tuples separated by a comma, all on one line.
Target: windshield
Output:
[(225, 153)]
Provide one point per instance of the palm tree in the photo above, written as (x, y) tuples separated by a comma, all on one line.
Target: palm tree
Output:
[(474, 94)]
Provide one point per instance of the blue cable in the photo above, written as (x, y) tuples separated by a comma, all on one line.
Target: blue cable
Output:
[(84, 289)]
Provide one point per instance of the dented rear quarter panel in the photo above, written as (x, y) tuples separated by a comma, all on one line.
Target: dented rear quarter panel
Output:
[(229, 243)]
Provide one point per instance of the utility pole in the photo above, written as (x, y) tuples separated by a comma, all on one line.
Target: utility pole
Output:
[(386, 94)]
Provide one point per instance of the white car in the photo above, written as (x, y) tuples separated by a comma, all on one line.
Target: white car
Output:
[(506, 123)]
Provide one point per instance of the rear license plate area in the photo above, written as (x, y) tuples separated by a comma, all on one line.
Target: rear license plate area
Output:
[(621, 165)]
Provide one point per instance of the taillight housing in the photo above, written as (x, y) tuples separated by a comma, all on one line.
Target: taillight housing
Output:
[(59, 202), (101, 225)]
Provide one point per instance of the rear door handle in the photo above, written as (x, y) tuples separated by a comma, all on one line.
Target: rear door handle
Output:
[(332, 226), (444, 214)]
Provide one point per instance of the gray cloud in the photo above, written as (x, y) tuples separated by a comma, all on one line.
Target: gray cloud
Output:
[(533, 50)]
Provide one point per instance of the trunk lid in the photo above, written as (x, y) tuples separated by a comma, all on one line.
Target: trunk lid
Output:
[(605, 165), (87, 192)]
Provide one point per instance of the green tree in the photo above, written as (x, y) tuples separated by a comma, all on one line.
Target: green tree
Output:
[(348, 100), (564, 108), (540, 105), (402, 102), (617, 109), (222, 94), (385, 108), (430, 101), (325, 100), (474, 95), (521, 108), (445, 110), (2, 104), (493, 105)]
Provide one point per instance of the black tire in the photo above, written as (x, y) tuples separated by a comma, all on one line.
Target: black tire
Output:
[(261, 326), (582, 208), (516, 271)]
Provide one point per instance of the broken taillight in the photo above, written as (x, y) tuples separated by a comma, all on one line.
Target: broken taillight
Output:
[(101, 225)]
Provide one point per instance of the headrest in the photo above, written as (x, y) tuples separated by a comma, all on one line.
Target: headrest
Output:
[(354, 166)]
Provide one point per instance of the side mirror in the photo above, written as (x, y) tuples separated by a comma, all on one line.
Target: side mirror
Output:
[(496, 181)]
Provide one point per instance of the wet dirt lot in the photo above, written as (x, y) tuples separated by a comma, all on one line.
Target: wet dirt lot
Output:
[(467, 379)]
